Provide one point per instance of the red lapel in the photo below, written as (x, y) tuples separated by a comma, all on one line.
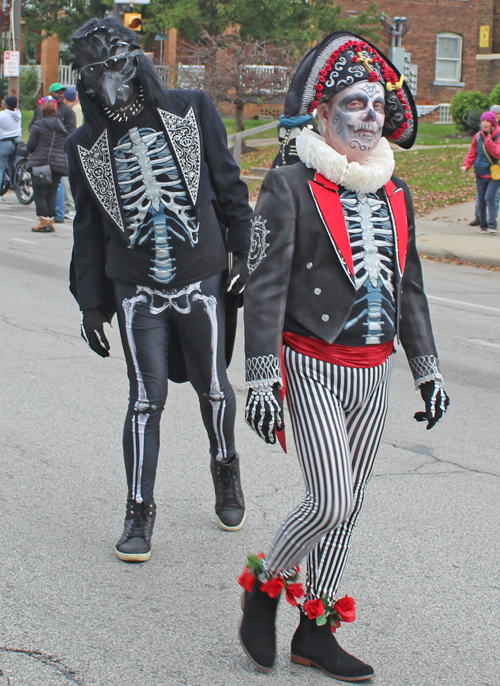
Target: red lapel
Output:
[(397, 203), (330, 210)]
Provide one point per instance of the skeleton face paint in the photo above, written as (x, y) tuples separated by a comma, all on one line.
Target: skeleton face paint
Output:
[(354, 119)]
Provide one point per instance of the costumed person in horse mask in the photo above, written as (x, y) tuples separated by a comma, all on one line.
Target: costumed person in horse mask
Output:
[(334, 258), (159, 205)]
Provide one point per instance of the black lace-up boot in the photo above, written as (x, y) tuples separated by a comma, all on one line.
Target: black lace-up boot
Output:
[(258, 627), (316, 646), (135, 543), (229, 500)]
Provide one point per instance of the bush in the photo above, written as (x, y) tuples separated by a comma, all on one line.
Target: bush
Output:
[(495, 95), (473, 120), (28, 88), (463, 103)]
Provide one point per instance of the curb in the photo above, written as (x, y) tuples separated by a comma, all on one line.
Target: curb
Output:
[(467, 258)]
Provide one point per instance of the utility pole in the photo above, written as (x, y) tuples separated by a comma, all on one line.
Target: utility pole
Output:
[(15, 32)]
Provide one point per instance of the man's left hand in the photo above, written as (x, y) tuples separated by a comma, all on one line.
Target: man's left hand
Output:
[(238, 275), (436, 403)]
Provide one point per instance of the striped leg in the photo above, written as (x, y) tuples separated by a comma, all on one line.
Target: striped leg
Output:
[(321, 438), (365, 426)]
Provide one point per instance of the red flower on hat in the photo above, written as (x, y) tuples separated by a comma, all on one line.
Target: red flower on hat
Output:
[(408, 115), (314, 104), (373, 76)]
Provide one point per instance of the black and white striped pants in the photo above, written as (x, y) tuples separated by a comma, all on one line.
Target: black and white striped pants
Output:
[(338, 417)]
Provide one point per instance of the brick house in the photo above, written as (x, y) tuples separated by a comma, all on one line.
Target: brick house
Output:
[(444, 41)]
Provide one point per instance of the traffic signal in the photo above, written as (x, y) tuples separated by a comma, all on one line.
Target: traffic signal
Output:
[(133, 20)]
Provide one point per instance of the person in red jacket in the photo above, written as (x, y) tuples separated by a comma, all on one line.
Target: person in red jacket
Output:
[(484, 152)]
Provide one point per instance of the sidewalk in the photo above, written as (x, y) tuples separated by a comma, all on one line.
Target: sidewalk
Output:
[(446, 233)]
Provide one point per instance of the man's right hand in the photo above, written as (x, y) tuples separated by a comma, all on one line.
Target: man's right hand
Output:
[(264, 412), (92, 330)]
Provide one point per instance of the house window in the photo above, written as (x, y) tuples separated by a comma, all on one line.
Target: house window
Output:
[(449, 58)]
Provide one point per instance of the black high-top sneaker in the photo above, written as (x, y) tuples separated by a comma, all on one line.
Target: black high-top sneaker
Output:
[(316, 646), (258, 627), (135, 543), (229, 500)]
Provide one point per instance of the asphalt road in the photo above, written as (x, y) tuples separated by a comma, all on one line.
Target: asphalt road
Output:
[(424, 565)]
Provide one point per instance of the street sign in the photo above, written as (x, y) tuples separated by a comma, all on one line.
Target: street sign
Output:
[(11, 63)]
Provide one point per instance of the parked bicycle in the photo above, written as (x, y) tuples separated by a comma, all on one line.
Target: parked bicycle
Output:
[(17, 178)]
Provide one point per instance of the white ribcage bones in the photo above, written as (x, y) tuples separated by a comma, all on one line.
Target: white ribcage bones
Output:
[(154, 199), (369, 227)]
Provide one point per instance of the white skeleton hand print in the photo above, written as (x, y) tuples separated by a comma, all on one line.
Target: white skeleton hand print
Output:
[(154, 199), (371, 237)]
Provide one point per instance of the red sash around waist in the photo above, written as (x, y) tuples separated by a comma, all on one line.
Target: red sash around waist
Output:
[(343, 355)]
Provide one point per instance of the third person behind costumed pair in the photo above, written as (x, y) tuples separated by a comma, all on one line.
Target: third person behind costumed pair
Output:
[(334, 259)]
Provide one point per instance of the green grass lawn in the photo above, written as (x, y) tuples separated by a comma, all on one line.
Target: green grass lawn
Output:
[(230, 125), (27, 117), (434, 176), (440, 134)]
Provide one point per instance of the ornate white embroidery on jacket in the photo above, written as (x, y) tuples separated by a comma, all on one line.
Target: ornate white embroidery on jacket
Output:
[(258, 243), (96, 164), (185, 138), (262, 371)]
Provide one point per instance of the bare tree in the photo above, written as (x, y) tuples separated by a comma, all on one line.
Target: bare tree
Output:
[(238, 71)]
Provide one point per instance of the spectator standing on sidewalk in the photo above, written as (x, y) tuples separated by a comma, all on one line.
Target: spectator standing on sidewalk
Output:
[(64, 113), (10, 132), (485, 152), (46, 144), (65, 206)]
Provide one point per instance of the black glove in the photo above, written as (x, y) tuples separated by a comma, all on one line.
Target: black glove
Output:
[(436, 403), (238, 275), (264, 412), (92, 330)]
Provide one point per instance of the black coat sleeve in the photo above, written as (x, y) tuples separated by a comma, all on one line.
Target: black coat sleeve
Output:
[(415, 329), (231, 192), (88, 281), (270, 263)]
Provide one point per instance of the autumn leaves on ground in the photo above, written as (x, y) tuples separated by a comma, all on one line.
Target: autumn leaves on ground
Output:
[(433, 174)]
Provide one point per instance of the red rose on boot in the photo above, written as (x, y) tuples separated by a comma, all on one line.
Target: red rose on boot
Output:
[(314, 608), (247, 580), (273, 587), (334, 625), (346, 607), (294, 591)]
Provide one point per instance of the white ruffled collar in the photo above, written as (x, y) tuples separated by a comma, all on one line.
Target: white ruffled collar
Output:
[(316, 154)]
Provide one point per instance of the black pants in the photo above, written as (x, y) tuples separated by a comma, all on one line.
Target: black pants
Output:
[(147, 317), (45, 196)]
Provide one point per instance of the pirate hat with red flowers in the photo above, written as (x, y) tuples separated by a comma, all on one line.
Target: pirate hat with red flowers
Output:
[(342, 59)]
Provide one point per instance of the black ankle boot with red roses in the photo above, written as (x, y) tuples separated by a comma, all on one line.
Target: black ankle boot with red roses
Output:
[(313, 644)]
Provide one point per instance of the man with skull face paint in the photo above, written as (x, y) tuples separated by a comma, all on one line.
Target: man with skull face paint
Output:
[(159, 205), (333, 255)]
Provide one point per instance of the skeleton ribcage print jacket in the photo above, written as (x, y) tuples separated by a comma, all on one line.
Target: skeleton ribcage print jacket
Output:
[(303, 272), (159, 201)]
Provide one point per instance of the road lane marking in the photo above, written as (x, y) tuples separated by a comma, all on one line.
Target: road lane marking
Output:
[(480, 342), (437, 299), (22, 240), (23, 219)]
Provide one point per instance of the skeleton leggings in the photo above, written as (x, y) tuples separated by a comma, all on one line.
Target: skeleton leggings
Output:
[(146, 318), (338, 417)]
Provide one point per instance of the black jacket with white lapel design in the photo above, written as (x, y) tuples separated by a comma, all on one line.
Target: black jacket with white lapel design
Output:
[(198, 141), (301, 271)]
